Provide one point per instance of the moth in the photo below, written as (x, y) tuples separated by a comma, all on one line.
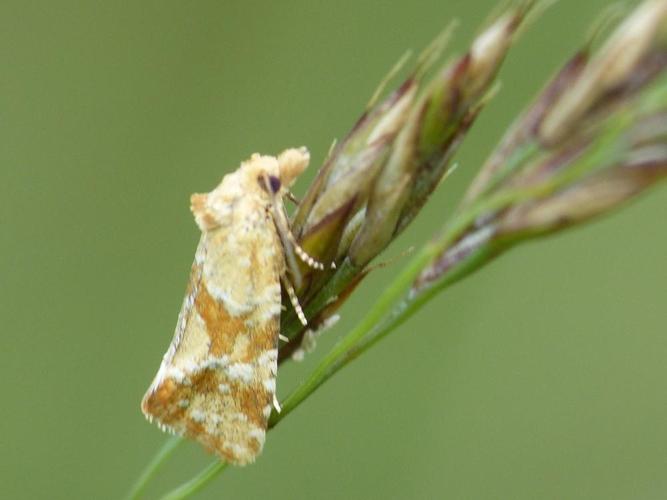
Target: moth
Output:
[(217, 380)]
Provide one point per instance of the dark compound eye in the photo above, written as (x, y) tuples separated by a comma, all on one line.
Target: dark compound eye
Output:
[(274, 182)]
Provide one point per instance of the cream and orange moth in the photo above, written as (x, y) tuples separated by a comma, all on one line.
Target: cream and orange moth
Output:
[(217, 380)]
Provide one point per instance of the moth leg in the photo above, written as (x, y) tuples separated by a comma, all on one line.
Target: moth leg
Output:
[(290, 196), (294, 300), (283, 232), (276, 404), (290, 245)]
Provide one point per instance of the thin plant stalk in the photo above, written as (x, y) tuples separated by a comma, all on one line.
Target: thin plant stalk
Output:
[(196, 483), (163, 454), (393, 302)]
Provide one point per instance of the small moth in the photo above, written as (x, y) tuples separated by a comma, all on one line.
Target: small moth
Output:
[(217, 380)]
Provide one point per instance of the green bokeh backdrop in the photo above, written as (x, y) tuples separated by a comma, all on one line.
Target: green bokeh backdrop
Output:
[(541, 377)]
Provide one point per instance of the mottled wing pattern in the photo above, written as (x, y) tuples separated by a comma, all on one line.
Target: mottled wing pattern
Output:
[(217, 382)]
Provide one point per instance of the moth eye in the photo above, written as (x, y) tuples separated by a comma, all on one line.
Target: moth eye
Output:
[(269, 183), (274, 182)]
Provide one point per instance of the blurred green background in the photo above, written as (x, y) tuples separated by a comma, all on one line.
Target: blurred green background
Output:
[(543, 376)]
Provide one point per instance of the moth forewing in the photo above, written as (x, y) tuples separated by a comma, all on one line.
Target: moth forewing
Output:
[(217, 381)]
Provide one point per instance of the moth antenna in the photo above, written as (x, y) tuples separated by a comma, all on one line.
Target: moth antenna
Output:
[(301, 253), (294, 300)]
